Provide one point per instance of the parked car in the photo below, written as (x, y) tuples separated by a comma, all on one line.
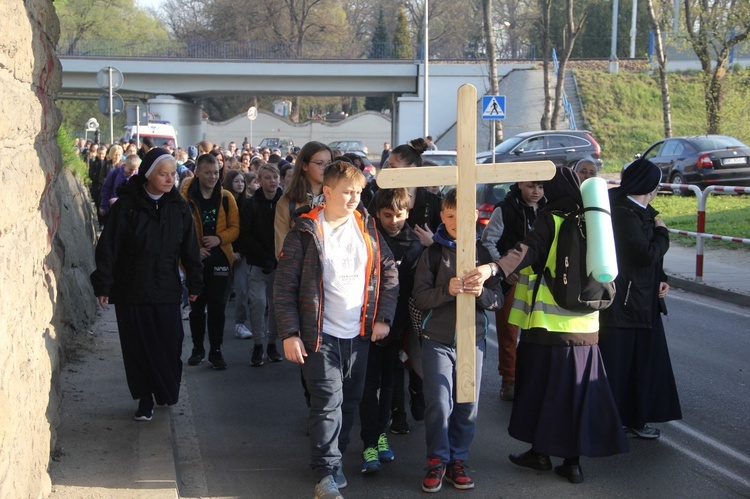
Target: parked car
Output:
[(283, 144), (442, 158), (562, 147), (349, 146), (701, 160)]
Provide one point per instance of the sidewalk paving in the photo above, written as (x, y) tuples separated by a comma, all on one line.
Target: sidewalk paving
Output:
[(103, 453)]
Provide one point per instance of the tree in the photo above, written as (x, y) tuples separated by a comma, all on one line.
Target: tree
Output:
[(661, 62), (113, 21), (544, 24), (380, 48), (402, 46), (571, 32), (492, 60), (714, 27)]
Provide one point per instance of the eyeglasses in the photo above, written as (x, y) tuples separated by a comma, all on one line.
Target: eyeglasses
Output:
[(317, 163)]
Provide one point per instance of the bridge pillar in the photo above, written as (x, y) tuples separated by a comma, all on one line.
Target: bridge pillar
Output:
[(185, 116)]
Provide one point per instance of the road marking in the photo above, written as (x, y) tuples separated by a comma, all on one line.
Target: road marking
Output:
[(706, 462), (710, 441)]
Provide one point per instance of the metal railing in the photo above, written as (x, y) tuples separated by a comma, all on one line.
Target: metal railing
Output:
[(567, 108), (700, 234), (229, 50)]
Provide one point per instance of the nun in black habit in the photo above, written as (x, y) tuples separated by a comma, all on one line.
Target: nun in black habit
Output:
[(563, 405), (149, 233), (631, 337)]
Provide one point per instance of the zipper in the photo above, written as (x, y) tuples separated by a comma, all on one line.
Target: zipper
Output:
[(627, 293)]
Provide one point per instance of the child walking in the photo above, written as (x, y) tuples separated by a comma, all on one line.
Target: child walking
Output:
[(449, 426)]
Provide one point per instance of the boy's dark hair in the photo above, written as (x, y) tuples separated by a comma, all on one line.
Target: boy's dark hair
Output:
[(392, 199), (449, 200), (205, 159)]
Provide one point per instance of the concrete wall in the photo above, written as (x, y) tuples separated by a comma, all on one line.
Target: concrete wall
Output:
[(370, 127), (45, 247)]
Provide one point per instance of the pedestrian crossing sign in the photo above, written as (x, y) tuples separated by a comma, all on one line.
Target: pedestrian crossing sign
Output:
[(493, 107)]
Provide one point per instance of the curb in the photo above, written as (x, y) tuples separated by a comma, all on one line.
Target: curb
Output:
[(156, 474), (710, 291)]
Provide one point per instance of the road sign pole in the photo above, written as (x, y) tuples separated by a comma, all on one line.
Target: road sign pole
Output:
[(493, 141), (111, 115), (137, 125)]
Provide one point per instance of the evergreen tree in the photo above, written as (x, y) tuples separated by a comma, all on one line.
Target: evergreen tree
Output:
[(380, 48), (402, 46)]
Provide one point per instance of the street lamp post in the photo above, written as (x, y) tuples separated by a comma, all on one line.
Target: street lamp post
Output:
[(426, 68), (614, 65)]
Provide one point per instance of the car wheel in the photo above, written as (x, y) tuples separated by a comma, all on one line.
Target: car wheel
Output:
[(677, 179)]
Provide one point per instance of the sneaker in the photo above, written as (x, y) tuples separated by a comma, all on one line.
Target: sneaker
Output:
[(646, 433), (242, 332), (385, 454), (145, 409), (339, 477), (256, 360), (456, 474), (216, 359), (186, 312), (327, 489), (197, 357), (508, 390), (433, 479), (273, 354), (370, 461), (399, 426)]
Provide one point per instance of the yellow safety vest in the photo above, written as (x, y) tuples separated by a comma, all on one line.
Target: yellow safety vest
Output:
[(545, 313)]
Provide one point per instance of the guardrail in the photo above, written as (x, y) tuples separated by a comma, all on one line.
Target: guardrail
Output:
[(700, 234), (567, 108)]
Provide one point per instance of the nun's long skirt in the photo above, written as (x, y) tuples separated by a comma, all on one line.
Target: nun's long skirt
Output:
[(151, 339), (563, 405)]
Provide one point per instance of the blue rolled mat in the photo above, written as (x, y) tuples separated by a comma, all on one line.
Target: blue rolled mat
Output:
[(601, 257)]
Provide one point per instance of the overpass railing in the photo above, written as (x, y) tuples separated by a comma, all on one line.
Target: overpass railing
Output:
[(228, 50), (700, 234)]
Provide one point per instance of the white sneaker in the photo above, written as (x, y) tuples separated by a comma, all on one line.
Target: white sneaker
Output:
[(327, 489), (240, 331), (185, 312)]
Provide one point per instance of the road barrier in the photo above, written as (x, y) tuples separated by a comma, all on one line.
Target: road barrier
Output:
[(700, 234)]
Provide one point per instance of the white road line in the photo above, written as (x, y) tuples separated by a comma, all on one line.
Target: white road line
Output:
[(710, 441), (706, 462)]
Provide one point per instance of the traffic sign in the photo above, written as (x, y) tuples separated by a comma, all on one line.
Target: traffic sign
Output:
[(493, 107), (103, 78), (252, 113), (118, 104)]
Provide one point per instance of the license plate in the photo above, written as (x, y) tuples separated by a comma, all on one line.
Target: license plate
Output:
[(734, 161)]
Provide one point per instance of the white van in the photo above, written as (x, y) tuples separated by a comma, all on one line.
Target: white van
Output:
[(162, 132)]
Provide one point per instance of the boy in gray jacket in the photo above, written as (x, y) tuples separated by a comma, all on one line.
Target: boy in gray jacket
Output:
[(435, 293)]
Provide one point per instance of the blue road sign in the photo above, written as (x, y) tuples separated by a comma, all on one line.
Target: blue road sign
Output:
[(493, 107)]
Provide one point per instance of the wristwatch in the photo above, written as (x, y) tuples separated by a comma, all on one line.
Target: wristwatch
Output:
[(494, 268)]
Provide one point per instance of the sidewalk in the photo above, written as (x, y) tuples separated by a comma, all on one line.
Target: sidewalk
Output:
[(103, 453)]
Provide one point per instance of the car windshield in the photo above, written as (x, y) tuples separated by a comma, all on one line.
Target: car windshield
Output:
[(717, 142), (508, 144)]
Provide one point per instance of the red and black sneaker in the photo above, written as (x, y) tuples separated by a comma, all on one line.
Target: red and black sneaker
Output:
[(456, 474), (433, 479)]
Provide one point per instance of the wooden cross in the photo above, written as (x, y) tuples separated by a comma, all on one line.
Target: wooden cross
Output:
[(465, 176)]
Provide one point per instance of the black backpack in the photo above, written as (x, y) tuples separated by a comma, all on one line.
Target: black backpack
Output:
[(572, 288)]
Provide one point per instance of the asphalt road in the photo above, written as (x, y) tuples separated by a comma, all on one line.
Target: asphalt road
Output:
[(241, 432)]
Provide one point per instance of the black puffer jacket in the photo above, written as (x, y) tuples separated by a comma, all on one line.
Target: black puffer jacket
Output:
[(141, 247), (641, 247)]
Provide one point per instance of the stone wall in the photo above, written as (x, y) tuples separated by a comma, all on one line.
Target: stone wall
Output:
[(45, 247)]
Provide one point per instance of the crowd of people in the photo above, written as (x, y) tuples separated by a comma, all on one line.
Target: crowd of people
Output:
[(358, 285)]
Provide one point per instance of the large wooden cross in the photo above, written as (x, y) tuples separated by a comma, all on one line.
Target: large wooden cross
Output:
[(465, 176)]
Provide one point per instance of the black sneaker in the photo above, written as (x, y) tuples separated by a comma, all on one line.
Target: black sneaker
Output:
[(216, 359), (145, 409), (399, 426), (257, 358), (273, 354), (197, 357)]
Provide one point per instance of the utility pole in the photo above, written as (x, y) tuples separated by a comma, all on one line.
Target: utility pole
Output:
[(614, 64)]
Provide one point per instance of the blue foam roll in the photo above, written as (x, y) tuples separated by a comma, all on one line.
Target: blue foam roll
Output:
[(601, 257)]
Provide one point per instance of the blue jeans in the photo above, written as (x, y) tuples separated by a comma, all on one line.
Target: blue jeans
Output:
[(260, 294), (449, 426), (335, 377)]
